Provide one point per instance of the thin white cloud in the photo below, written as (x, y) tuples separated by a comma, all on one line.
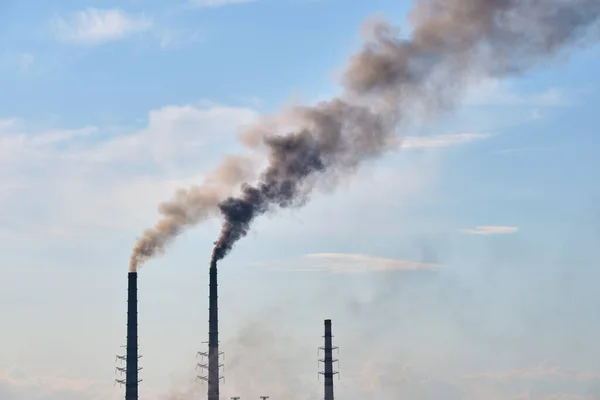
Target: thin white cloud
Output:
[(523, 150), (491, 230), (176, 38), (414, 142), (173, 135), (97, 26), (347, 263), (21, 147), (217, 3), (495, 92), (134, 170)]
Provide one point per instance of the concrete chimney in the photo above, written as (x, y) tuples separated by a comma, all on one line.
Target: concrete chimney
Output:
[(131, 379), (213, 336)]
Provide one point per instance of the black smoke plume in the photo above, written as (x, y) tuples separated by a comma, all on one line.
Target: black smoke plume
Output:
[(453, 43), (342, 135)]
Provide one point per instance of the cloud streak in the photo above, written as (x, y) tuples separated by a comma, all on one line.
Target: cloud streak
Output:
[(217, 3), (131, 168), (95, 26), (349, 263), (448, 140), (487, 230), (495, 92)]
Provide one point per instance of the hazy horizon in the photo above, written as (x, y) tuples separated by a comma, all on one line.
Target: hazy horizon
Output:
[(462, 265)]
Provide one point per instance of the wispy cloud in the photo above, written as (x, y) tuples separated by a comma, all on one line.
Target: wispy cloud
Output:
[(491, 230), (169, 39), (217, 3), (172, 136), (348, 263), (20, 147), (96, 26), (522, 150), (413, 142), (495, 92), (133, 169)]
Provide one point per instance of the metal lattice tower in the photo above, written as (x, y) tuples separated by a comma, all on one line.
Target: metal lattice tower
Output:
[(123, 370), (203, 365)]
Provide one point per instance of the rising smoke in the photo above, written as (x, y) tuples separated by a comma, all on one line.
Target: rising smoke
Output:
[(191, 206), (453, 44)]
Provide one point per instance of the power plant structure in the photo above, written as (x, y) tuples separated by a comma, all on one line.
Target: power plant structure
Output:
[(328, 361), (131, 358), (213, 353), (213, 335), (131, 369)]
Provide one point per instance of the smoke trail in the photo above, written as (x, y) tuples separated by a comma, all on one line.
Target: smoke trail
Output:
[(453, 43), (336, 137), (190, 207)]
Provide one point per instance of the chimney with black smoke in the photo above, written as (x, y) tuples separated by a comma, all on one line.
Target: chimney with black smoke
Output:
[(328, 362), (131, 379), (213, 335)]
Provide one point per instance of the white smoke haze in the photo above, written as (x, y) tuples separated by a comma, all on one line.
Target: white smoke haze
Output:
[(427, 334), (396, 343), (453, 43)]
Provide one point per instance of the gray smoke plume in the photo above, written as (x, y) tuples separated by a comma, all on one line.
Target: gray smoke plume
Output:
[(191, 206), (453, 44)]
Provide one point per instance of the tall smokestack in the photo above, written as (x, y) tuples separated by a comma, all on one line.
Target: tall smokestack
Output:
[(213, 335), (131, 380), (328, 362)]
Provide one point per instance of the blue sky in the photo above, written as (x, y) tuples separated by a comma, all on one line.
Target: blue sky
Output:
[(461, 266)]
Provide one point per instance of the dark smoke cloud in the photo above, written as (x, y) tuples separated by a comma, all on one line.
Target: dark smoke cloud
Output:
[(190, 207), (453, 43), (338, 136)]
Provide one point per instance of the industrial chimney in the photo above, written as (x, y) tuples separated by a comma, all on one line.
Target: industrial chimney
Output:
[(131, 379), (213, 335), (328, 361)]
